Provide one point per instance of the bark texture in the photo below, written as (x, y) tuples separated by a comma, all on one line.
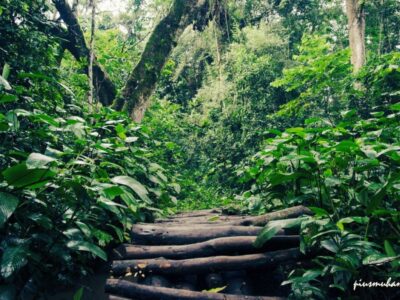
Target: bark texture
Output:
[(356, 23), (206, 264), (179, 235), (74, 41), (141, 82), (292, 212), (142, 292), (226, 245)]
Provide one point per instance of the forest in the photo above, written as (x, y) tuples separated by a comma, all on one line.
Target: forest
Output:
[(200, 149)]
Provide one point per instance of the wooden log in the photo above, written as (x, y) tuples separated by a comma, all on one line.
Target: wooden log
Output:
[(292, 212), (112, 297), (197, 213), (142, 292), (209, 219), (206, 264), (219, 246), (178, 235)]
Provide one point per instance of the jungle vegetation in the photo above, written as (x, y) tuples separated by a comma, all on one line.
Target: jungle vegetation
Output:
[(110, 117)]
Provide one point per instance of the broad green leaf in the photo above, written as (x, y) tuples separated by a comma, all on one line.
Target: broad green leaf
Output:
[(135, 185), (13, 259), (266, 234), (395, 106), (112, 192), (7, 98), (131, 139), (38, 161), (20, 176), (42, 220), (4, 83), (8, 204), (319, 212), (330, 245), (379, 259), (348, 220), (88, 247), (273, 227), (346, 146)]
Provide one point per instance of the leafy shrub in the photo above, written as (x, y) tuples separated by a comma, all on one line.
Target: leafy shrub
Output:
[(349, 174), (69, 186)]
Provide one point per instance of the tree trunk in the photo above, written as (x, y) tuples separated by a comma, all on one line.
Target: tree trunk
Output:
[(76, 44), (203, 265), (142, 81), (356, 23), (142, 292), (91, 98)]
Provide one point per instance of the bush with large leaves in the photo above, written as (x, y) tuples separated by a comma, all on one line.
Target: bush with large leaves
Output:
[(70, 187), (350, 174)]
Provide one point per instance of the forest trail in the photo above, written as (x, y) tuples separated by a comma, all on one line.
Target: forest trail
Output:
[(207, 254)]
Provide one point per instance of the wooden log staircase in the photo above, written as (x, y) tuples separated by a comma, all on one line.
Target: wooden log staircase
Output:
[(205, 254)]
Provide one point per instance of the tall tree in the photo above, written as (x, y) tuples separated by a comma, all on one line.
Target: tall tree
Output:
[(76, 44), (142, 80), (356, 23)]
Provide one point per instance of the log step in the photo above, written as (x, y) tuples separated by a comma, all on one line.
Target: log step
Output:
[(142, 292), (205, 264), (219, 246), (179, 256), (157, 234)]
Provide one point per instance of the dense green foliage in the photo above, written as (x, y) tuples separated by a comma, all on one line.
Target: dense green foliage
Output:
[(259, 114)]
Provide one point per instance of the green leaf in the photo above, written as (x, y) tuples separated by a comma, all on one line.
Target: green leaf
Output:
[(395, 106), (88, 247), (7, 98), (20, 176), (6, 70), (213, 219), (78, 295), (266, 234), (330, 245), (13, 259), (135, 185), (379, 259), (319, 212), (346, 146), (8, 204), (273, 227), (38, 161), (216, 290), (359, 220), (4, 83), (391, 252), (131, 139), (41, 220)]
